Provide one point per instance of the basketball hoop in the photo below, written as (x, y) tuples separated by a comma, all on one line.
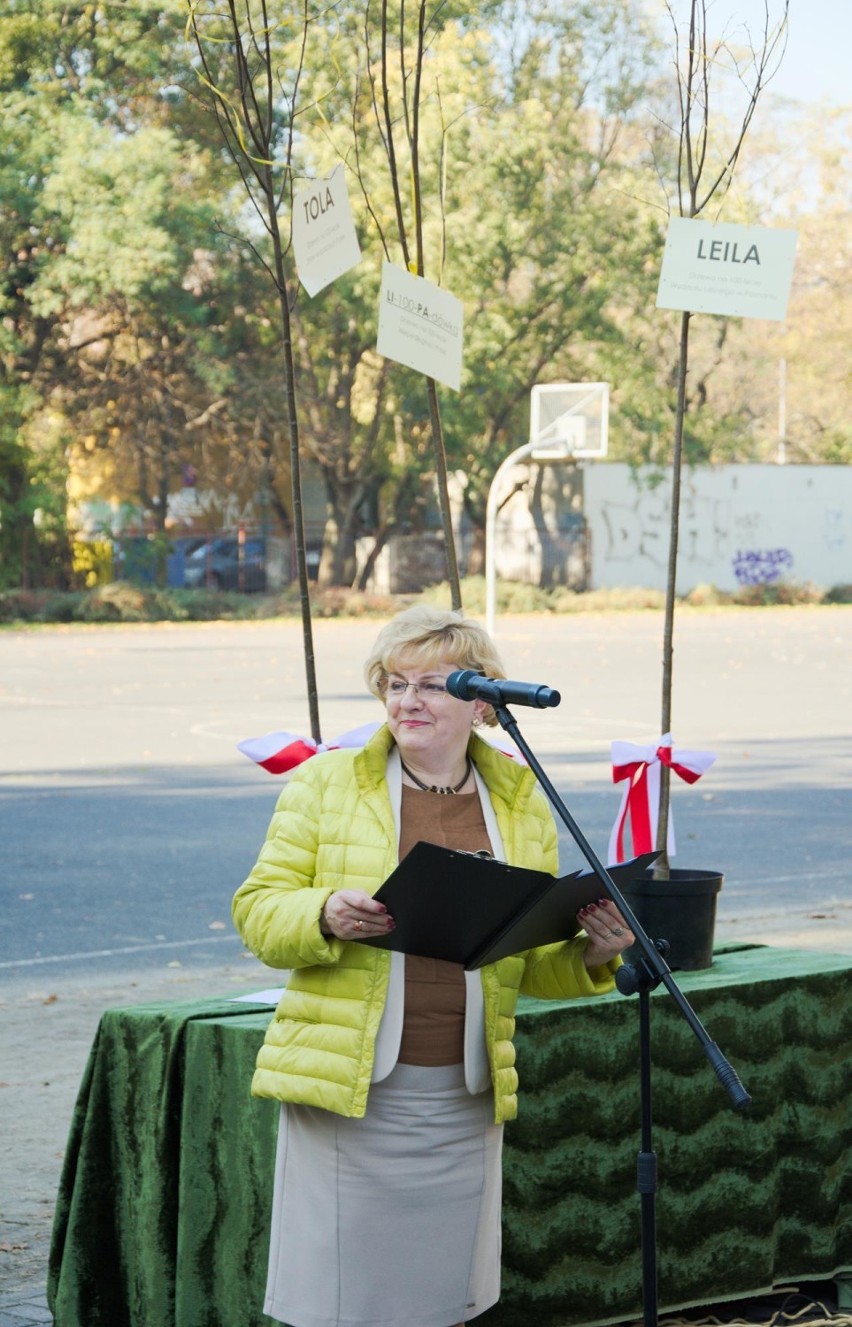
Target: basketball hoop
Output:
[(569, 420)]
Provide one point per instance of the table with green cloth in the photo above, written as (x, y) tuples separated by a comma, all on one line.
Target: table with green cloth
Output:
[(163, 1211)]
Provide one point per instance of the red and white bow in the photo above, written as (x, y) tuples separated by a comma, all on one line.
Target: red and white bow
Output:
[(280, 752), (640, 805)]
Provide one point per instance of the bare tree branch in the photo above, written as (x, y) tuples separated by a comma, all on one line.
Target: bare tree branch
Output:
[(389, 139), (250, 46), (694, 87)]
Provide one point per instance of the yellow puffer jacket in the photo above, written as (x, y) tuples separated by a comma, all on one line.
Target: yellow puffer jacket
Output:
[(333, 828)]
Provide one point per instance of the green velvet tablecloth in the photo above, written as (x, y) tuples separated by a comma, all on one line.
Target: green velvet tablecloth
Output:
[(162, 1216)]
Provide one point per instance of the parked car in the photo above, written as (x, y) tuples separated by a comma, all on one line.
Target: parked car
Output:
[(220, 564)]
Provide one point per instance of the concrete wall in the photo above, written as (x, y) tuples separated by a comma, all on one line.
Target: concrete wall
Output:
[(740, 525), (601, 524)]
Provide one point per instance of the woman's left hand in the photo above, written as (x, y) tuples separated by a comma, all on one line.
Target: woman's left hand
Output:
[(607, 930)]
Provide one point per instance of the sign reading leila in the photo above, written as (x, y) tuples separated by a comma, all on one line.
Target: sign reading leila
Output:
[(742, 271), (420, 326), (324, 241)]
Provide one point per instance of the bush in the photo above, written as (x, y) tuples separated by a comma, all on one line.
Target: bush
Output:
[(62, 607), (203, 605), (338, 601), (119, 602), (122, 601), (707, 596), (511, 596), (779, 592), (19, 605), (627, 599)]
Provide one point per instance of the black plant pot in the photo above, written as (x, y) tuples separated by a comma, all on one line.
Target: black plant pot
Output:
[(681, 910)]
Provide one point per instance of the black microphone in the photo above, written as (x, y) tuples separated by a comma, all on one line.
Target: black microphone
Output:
[(465, 684)]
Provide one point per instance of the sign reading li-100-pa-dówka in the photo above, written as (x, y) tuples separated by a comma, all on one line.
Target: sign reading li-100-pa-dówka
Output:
[(420, 325)]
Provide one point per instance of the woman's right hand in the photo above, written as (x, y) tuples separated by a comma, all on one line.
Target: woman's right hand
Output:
[(350, 914)]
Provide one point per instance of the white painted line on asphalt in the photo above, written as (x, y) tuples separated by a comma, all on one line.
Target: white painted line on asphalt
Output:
[(110, 953)]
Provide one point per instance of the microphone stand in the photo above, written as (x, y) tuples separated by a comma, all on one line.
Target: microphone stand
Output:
[(639, 978)]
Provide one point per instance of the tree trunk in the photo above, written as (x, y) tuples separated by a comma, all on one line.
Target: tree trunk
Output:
[(550, 552), (662, 865), (295, 460), (381, 539), (476, 552), (343, 499), (444, 497)]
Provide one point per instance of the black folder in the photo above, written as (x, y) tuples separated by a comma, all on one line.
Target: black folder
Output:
[(470, 909)]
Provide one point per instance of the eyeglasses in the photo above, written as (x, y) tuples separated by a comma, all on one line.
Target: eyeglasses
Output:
[(429, 689)]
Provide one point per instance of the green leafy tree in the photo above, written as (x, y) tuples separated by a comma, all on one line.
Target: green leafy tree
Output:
[(529, 142), (107, 297), (544, 242)]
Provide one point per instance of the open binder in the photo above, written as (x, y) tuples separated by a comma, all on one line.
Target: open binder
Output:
[(472, 910)]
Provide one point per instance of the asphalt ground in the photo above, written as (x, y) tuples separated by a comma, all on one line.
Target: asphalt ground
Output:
[(128, 817)]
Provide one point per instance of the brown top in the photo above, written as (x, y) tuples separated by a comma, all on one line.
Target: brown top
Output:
[(433, 1025)]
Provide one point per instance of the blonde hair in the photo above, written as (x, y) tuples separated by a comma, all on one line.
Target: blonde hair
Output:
[(423, 636)]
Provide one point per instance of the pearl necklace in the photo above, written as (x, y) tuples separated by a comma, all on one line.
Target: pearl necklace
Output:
[(433, 788)]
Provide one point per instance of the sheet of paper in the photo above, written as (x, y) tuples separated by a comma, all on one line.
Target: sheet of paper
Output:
[(259, 997), (324, 241), (420, 326), (742, 271)]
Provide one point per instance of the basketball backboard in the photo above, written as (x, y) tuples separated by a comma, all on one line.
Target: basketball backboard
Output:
[(568, 420)]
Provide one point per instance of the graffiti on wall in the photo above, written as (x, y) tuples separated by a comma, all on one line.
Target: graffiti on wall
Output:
[(740, 525), (762, 566), (641, 530), (834, 529)]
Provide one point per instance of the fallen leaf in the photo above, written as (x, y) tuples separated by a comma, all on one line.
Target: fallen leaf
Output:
[(50, 999)]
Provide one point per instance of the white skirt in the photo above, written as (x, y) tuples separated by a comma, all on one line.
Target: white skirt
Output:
[(392, 1220)]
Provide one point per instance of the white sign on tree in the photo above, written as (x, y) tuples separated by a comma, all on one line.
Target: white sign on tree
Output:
[(719, 267), (420, 325), (324, 241)]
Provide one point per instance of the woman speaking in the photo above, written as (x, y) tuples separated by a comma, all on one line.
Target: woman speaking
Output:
[(396, 1073)]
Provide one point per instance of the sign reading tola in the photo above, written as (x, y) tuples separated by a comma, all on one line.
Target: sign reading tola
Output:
[(716, 267), (324, 241), (420, 325)]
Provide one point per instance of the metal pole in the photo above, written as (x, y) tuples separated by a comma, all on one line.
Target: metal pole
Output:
[(560, 451), (490, 523)]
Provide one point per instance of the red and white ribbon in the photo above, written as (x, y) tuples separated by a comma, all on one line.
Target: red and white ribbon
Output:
[(280, 752), (640, 804)]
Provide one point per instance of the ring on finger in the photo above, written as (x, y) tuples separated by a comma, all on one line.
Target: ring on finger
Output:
[(618, 930), (359, 924)]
